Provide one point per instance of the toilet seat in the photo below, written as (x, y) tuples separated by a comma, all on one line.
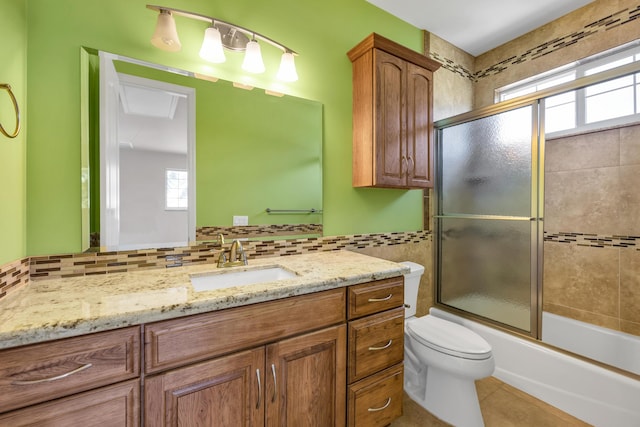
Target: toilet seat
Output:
[(448, 337)]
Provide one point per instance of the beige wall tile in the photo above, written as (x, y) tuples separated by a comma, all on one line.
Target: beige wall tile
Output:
[(591, 150), (453, 92), (583, 316), (632, 328), (630, 145), (583, 278), (630, 285), (629, 202), (584, 201)]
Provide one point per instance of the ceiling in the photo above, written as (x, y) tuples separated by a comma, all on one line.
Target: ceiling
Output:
[(477, 26)]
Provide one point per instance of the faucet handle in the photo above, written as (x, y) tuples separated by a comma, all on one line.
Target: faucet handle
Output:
[(222, 259), (220, 239)]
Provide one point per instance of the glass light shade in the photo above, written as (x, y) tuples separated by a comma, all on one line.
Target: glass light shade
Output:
[(253, 58), (166, 37), (287, 71), (211, 49)]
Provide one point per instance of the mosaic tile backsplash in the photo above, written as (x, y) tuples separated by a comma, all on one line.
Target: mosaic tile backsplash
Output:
[(16, 274)]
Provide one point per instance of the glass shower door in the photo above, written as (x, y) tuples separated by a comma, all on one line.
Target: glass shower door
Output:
[(486, 222)]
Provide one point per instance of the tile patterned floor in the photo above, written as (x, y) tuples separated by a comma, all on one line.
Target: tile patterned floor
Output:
[(501, 406)]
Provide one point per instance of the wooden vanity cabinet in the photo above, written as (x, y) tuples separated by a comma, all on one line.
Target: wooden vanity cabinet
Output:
[(375, 352), (87, 380), (392, 115), (287, 365)]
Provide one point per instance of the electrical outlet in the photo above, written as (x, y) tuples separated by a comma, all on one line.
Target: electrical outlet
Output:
[(240, 220)]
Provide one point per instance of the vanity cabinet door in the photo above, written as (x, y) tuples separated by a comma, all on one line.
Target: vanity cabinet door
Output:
[(228, 391), (306, 383)]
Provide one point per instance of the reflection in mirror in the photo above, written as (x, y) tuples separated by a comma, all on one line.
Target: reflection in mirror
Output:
[(252, 152)]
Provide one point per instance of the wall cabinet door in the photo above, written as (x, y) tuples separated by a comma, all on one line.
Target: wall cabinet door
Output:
[(223, 392), (419, 134), (308, 380)]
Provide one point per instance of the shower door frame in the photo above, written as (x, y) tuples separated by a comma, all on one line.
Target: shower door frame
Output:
[(535, 210), (537, 100)]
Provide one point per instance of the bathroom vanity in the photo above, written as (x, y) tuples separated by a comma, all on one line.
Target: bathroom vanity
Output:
[(322, 348)]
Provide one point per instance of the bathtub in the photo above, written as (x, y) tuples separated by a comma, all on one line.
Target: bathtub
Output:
[(593, 394)]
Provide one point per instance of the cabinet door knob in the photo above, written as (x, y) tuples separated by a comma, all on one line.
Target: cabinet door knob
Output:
[(387, 345), (57, 377), (386, 405)]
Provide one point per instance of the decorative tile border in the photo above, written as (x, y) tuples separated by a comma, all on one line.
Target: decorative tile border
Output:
[(609, 22), (13, 276), (593, 240), (248, 231), (20, 272)]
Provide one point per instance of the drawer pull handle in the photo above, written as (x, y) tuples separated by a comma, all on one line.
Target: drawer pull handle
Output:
[(57, 377), (386, 405), (387, 298), (259, 388), (387, 345), (275, 384)]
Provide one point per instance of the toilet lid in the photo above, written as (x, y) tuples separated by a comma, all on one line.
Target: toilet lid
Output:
[(449, 338)]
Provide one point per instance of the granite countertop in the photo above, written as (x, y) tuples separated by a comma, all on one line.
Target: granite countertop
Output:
[(57, 308)]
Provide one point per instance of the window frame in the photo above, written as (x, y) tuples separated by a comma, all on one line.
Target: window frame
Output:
[(585, 69), (166, 189)]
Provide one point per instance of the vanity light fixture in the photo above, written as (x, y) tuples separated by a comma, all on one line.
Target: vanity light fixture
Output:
[(219, 35)]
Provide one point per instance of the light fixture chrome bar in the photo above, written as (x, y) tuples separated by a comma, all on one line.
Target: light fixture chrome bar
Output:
[(213, 21)]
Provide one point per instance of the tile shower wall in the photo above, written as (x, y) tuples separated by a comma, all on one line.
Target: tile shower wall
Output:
[(592, 231), (594, 28)]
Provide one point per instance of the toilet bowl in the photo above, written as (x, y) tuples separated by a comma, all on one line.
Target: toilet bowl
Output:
[(442, 361)]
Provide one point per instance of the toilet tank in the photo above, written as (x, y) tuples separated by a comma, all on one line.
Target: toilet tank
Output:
[(411, 284)]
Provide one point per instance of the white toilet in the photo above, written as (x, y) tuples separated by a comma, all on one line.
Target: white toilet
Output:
[(442, 361)]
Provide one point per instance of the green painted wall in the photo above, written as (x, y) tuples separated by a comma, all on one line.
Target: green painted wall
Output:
[(57, 30), (253, 151), (13, 54)]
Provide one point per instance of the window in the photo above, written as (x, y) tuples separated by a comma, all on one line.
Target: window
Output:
[(176, 190), (610, 103)]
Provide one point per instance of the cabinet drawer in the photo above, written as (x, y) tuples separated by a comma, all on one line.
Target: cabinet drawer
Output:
[(374, 297), (177, 342), (46, 371), (375, 342), (377, 400), (116, 405)]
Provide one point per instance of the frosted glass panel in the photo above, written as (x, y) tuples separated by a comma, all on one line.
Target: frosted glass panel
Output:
[(486, 165), (485, 268)]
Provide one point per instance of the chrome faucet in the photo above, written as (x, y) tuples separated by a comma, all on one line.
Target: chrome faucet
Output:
[(237, 256)]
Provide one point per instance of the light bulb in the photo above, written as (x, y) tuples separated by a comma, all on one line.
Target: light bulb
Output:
[(287, 71), (253, 58), (211, 49), (165, 36)]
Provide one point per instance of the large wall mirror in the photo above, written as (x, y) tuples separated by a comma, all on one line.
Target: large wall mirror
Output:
[(174, 157)]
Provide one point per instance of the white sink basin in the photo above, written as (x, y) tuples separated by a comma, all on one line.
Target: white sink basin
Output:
[(229, 278)]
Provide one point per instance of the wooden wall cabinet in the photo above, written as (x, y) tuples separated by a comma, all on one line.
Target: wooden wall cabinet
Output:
[(392, 115)]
